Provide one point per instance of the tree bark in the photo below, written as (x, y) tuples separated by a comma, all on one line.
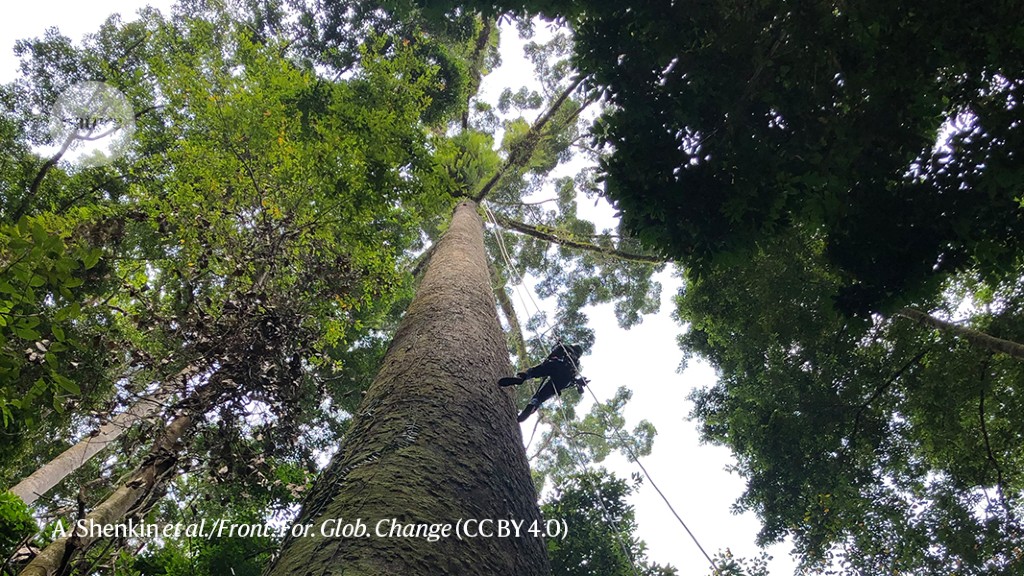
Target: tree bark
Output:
[(435, 440), (53, 472), (126, 499), (975, 337)]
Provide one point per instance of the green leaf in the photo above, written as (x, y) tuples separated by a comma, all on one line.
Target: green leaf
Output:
[(92, 257), (26, 333), (66, 383), (39, 234)]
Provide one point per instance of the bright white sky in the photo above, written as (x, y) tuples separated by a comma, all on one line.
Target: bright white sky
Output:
[(645, 359)]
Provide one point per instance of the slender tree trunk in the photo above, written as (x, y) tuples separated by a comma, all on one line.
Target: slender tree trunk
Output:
[(127, 498), (509, 311), (53, 472), (434, 442), (975, 337), (422, 261)]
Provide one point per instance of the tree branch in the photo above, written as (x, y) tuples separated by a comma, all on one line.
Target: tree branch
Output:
[(522, 153), (975, 337), (535, 203), (544, 445), (69, 140), (477, 59), (422, 261), (33, 189), (509, 310), (550, 235), (988, 444), (874, 396)]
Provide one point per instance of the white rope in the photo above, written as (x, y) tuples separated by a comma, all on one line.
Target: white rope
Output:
[(511, 266), (577, 455), (616, 429), (516, 287)]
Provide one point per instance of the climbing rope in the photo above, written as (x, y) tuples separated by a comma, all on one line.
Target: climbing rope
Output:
[(574, 449), (616, 429)]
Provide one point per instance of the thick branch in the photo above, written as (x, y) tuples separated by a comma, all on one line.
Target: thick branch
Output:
[(551, 236), (54, 471), (521, 154), (478, 57), (975, 337), (33, 189), (161, 462), (509, 311)]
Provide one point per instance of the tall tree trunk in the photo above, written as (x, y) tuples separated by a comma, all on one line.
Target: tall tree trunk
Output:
[(53, 472), (434, 442), (132, 496)]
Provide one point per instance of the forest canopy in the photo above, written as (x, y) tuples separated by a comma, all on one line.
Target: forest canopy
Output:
[(205, 312), (840, 187)]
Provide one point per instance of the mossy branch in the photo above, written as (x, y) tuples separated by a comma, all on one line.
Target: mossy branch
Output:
[(975, 337), (556, 237), (509, 310)]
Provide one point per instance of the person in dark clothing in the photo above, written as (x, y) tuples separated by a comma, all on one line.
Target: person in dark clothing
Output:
[(561, 369)]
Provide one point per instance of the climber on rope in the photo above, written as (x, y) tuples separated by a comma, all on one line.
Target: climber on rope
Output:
[(561, 369)]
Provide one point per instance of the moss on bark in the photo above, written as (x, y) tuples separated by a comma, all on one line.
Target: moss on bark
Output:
[(434, 441)]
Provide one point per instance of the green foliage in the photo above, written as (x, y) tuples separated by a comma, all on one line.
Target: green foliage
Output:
[(575, 278), (255, 237), (253, 234), (217, 554), (590, 438), (877, 446), (468, 159), (815, 167), (450, 91), (443, 41), (600, 529), (51, 365), (15, 522), (727, 126), (38, 308), (729, 565)]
